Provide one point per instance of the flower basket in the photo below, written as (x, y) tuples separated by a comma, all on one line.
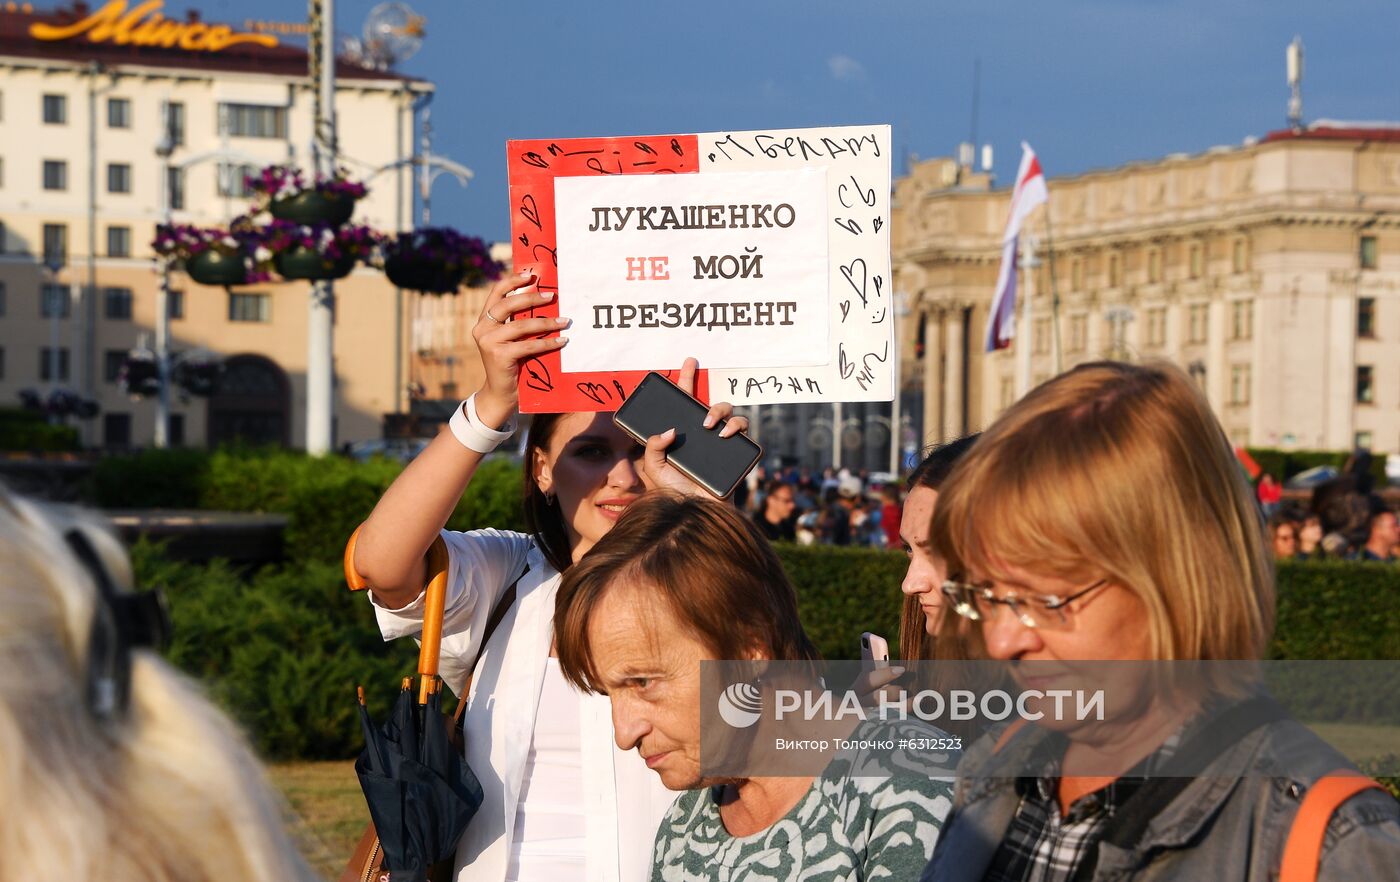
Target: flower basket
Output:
[(437, 260), (140, 375), (314, 207), (198, 374), (213, 267), (307, 263), (430, 277)]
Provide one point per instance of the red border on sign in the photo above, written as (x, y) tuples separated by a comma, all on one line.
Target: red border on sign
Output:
[(533, 166)]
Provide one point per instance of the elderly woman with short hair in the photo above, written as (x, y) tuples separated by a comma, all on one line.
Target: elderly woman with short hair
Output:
[(683, 580), (1054, 553)]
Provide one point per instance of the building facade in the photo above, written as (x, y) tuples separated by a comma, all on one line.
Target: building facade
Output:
[(1270, 272), (86, 96)]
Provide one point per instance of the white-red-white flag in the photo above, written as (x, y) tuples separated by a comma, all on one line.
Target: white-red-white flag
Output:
[(1029, 192)]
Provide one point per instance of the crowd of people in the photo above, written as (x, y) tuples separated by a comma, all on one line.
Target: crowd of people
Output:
[(1344, 519), (583, 712), (839, 507)]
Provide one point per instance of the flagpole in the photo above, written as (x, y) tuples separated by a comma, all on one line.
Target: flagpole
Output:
[(1023, 349), (1054, 289)]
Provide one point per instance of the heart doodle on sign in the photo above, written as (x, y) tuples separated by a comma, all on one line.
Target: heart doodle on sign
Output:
[(533, 158), (845, 310), (524, 240), (530, 210), (877, 223), (538, 376), (843, 363), (879, 285), (553, 255), (592, 391), (850, 272)]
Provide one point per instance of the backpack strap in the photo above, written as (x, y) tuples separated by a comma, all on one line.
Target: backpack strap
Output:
[(1302, 853)]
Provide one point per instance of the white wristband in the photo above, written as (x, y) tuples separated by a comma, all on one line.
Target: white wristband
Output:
[(468, 428)]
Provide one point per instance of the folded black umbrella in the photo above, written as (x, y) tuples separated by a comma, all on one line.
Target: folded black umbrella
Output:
[(420, 791)]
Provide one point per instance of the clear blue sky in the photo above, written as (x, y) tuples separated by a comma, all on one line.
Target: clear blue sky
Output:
[(1090, 83)]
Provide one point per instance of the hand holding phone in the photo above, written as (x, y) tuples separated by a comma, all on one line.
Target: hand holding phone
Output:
[(704, 455), (874, 650)]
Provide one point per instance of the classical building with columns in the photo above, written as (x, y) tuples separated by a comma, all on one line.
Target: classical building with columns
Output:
[(1269, 271)]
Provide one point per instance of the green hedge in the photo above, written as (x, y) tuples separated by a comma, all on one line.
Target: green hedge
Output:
[(1284, 464), (30, 432), (284, 647), (325, 498)]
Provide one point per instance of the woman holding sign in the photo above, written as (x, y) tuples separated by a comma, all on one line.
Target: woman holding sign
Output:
[(561, 802)]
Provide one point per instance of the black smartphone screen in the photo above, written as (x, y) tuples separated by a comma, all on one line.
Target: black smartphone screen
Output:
[(715, 463)]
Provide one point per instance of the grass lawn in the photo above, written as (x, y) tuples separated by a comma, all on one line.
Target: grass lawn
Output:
[(329, 811)]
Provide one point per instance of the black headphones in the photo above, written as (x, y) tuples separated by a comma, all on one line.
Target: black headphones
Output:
[(120, 623)]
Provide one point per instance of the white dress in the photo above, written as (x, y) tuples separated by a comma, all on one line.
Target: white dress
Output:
[(623, 800)]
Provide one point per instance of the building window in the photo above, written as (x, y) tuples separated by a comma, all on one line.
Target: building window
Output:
[(1115, 264), (1365, 388), (119, 241), (175, 304), (175, 187), (116, 430), (46, 364), (1076, 274), (1366, 317), (55, 244), (1078, 333), (1242, 320), (1239, 258), (1198, 326), (1197, 261), (175, 430), (1042, 336), (112, 361), (1008, 392), (255, 120), (1370, 259), (249, 307), (55, 174), (118, 177), (232, 180), (56, 109), (1361, 441), (116, 303), (118, 113), (1154, 265), (54, 301), (1157, 326), (1239, 384), (175, 123)]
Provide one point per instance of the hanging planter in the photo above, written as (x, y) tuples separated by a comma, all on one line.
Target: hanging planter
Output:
[(198, 373), (437, 260), (317, 253), (313, 207), (213, 256), (213, 267), (307, 263), (329, 201), (139, 376)]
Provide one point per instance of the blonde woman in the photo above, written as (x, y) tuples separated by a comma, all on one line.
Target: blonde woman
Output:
[(113, 766), (1056, 557)]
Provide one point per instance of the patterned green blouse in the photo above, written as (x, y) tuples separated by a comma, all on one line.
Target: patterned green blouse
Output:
[(844, 829)]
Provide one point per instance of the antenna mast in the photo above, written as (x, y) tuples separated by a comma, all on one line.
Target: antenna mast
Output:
[(1295, 84)]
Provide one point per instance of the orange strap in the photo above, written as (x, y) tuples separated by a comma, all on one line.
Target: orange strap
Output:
[(1302, 855), (1009, 733), (434, 601)]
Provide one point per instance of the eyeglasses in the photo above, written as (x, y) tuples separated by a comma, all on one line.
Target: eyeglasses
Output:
[(978, 602)]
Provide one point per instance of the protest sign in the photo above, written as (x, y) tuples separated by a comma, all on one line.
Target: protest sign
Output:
[(763, 254)]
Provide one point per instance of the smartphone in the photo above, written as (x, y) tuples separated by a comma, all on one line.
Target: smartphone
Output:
[(715, 463), (874, 650)]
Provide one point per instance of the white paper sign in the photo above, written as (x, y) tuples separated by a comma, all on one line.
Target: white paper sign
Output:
[(731, 266), (860, 354)]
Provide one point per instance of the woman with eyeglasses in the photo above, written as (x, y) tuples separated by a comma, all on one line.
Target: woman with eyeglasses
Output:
[(1068, 572)]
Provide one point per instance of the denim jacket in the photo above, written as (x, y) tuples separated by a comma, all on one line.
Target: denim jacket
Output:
[(1217, 828)]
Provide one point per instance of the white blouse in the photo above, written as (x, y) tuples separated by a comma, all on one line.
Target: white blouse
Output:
[(550, 831), (623, 800)]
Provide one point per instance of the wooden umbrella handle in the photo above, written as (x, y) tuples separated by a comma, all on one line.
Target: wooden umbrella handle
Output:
[(434, 601)]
